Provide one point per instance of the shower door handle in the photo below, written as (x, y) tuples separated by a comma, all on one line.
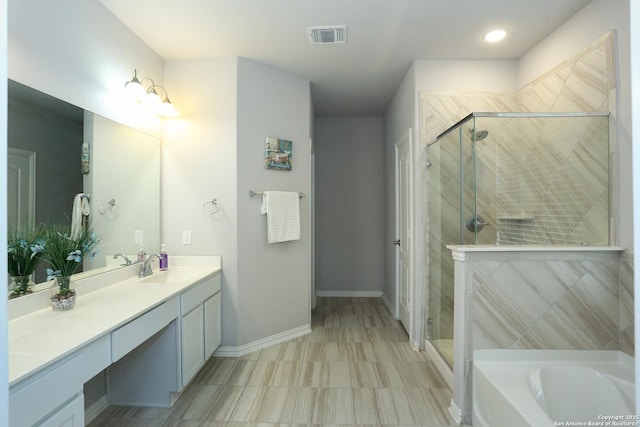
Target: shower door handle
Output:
[(396, 242)]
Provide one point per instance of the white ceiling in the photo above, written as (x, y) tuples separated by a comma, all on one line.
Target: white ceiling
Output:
[(384, 37)]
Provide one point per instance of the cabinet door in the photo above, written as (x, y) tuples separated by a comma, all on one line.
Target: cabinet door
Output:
[(70, 415), (192, 343), (212, 325)]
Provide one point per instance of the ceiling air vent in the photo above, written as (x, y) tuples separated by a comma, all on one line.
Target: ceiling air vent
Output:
[(328, 35)]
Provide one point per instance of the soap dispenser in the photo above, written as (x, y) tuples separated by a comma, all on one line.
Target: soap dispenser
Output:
[(164, 258)]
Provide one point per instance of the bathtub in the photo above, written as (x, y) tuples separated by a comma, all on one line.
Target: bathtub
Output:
[(550, 388)]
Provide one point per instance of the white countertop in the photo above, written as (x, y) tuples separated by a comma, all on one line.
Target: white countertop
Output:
[(43, 337)]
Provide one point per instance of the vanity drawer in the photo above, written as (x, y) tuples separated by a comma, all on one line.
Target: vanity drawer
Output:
[(44, 392), (199, 293), (139, 330)]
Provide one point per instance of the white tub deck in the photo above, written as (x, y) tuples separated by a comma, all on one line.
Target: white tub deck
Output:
[(504, 397)]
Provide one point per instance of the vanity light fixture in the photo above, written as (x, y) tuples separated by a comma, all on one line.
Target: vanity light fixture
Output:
[(150, 97), (495, 35)]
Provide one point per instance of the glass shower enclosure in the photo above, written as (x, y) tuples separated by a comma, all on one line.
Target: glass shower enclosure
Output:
[(512, 179)]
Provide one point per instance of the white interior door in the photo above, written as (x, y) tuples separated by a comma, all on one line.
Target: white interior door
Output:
[(404, 288), (21, 188)]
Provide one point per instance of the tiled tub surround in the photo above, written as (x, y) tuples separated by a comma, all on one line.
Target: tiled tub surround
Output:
[(536, 297)]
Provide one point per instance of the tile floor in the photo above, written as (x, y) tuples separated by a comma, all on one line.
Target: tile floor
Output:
[(354, 369)]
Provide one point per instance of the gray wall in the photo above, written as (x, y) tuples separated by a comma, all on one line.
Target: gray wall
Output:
[(274, 286), (265, 288), (349, 205)]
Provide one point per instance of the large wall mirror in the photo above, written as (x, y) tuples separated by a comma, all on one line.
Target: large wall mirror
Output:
[(45, 173)]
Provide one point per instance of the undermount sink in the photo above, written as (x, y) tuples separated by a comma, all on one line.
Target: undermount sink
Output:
[(175, 275)]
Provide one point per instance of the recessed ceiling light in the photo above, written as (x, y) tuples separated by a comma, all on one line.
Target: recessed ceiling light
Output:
[(495, 35)]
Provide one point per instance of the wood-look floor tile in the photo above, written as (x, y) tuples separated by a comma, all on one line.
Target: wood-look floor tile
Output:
[(237, 424), (275, 373), (413, 375), (428, 406), (224, 370), (265, 404), (103, 421), (324, 406), (370, 375), (330, 351), (292, 350), (213, 403), (194, 423), (325, 374), (356, 366)]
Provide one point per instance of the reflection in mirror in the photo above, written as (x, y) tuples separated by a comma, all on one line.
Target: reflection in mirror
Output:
[(45, 141), (124, 183)]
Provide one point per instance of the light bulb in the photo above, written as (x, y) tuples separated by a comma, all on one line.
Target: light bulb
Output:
[(495, 35), (134, 88), (152, 97), (167, 109)]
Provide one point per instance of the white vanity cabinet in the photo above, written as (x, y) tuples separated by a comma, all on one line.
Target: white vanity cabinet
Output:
[(199, 325), (213, 325), (53, 397), (151, 343), (70, 415), (53, 392)]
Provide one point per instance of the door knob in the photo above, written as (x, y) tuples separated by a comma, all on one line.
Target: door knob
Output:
[(396, 242)]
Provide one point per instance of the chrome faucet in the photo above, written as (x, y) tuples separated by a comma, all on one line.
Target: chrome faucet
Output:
[(145, 267), (126, 260)]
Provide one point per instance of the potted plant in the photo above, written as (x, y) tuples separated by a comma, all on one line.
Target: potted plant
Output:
[(24, 251), (65, 250)]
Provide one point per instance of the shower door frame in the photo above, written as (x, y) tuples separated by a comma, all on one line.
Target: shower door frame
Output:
[(471, 119)]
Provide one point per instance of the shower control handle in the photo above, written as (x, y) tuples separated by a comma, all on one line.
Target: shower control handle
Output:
[(475, 224), (396, 242)]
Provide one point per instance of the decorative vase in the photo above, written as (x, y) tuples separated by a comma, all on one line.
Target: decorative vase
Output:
[(62, 297), (20, 286)]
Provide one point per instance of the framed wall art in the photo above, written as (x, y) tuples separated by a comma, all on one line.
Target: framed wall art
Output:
[(278, 154)]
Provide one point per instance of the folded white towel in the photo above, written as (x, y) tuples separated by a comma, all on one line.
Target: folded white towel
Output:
[(80, 210), (283, 215)]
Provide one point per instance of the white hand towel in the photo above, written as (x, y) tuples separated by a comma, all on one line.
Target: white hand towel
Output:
[(80, 209), (283, 215)]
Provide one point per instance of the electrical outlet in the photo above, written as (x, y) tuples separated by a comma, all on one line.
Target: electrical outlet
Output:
[(138, 237), (186, 237)]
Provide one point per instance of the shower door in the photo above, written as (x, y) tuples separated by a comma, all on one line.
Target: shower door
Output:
[(451, 186)]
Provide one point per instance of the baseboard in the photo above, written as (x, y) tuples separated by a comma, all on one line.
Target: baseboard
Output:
[(95, 409), (350, 294), (390, 306), (236, 351), (441, 365)]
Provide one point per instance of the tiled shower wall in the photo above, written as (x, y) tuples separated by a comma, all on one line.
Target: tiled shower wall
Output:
[(544, 180), (585, 83)]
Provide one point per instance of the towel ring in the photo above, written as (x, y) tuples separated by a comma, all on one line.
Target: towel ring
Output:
[(210, 207)]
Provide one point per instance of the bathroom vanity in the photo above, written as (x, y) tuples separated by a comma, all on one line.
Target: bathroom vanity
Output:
[(151, 334)]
